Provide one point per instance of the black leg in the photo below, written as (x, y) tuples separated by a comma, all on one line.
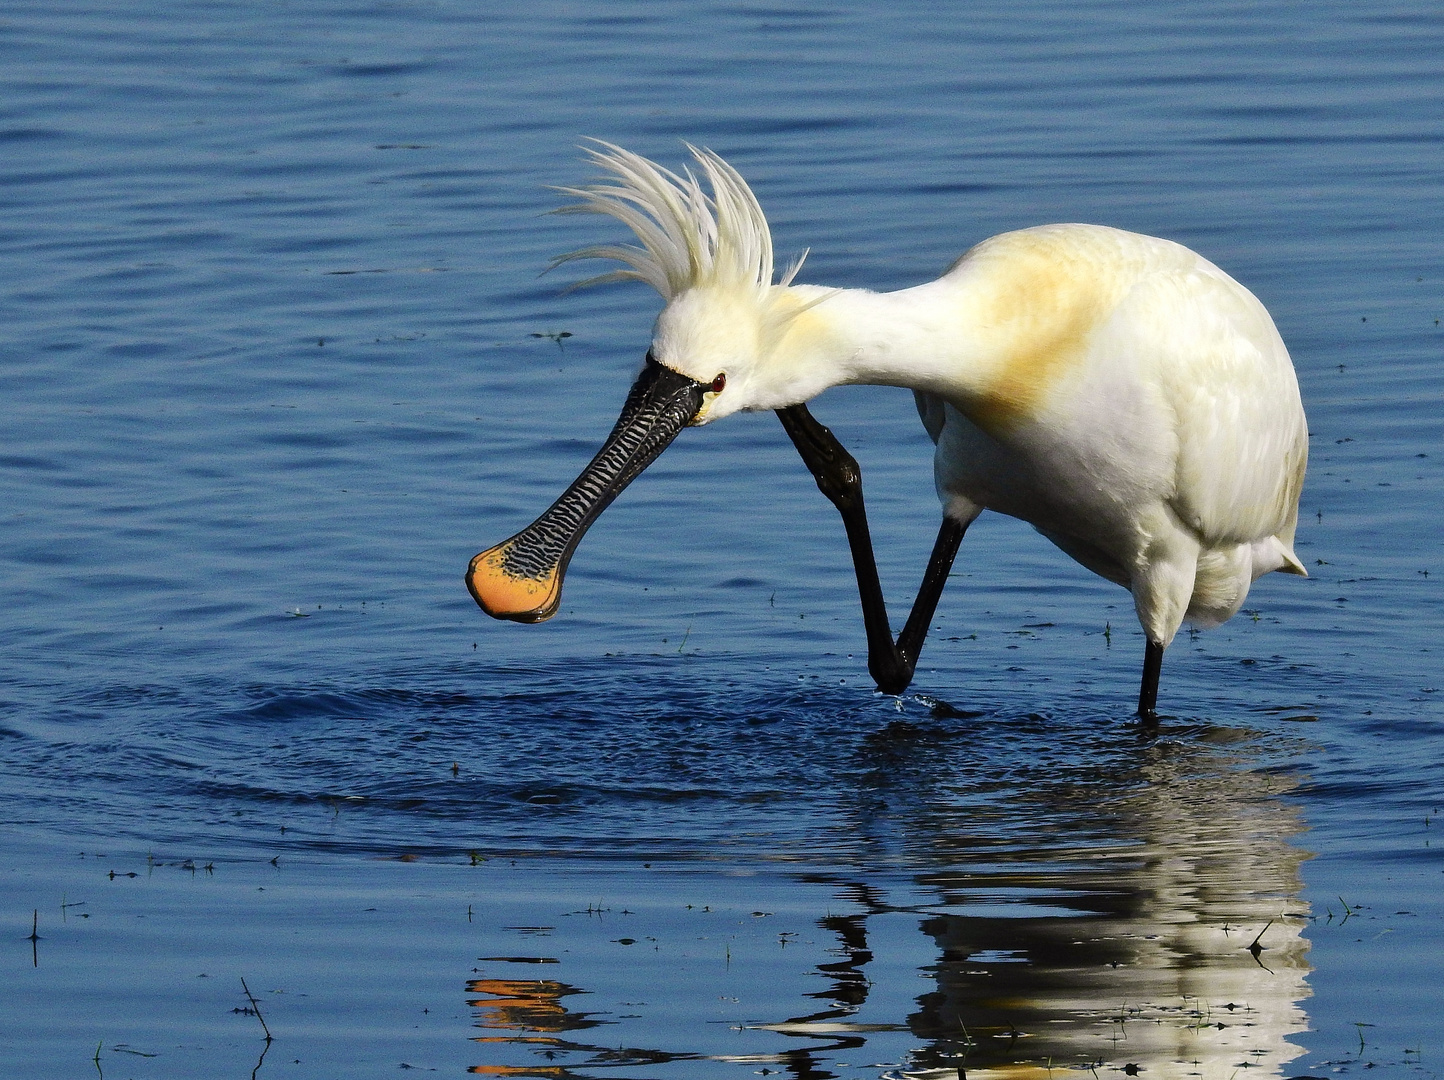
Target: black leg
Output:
[(945, 550), (1148, 691), (890, 663)]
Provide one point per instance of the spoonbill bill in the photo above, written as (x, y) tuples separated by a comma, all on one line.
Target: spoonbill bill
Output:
[(1118, 392)]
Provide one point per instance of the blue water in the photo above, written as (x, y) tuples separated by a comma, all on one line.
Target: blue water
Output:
[(278, 360)]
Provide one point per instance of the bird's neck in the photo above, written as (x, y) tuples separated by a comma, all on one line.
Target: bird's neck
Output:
[(915, 338), (999, 336)]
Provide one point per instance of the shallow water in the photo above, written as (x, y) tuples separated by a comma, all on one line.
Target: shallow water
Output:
[(278, 362)]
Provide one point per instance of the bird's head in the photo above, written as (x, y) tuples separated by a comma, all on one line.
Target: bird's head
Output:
[(716, 337), (714, 349)]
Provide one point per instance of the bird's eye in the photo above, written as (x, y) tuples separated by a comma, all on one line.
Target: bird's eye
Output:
[(719, 382)]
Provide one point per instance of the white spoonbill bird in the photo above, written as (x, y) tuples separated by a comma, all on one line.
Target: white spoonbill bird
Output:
[(1118, 392)]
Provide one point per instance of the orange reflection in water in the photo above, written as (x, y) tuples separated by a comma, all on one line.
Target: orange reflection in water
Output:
[(522, 1005), (527, 1005)]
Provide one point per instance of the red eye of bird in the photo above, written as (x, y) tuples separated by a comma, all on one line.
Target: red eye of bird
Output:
[(719, 382)]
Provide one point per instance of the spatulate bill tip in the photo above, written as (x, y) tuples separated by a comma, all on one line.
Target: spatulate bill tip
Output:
[(503, 594)]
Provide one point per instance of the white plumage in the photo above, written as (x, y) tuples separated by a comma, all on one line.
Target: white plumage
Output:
[(1119, 392)]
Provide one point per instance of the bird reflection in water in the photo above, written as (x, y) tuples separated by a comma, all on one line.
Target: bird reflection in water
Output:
[(1154, 929), (1140, 918)]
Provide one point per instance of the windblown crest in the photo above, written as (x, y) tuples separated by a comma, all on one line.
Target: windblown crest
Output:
[(689, 239)]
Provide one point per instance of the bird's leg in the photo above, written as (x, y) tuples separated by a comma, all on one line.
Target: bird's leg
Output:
[(839, 478), (1148, 691), (890, 663), (940, 562)]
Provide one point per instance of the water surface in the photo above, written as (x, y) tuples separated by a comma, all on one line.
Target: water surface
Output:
[(278, 360)]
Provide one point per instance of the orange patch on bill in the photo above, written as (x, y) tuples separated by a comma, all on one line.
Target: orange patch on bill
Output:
[(504, 595)]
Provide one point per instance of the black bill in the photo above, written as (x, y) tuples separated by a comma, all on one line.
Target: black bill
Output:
[(521, 578)]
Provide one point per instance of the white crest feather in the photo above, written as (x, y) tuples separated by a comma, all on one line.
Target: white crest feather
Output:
[(689, 238)]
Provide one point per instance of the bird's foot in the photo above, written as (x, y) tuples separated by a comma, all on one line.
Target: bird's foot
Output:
[(892, 671)]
